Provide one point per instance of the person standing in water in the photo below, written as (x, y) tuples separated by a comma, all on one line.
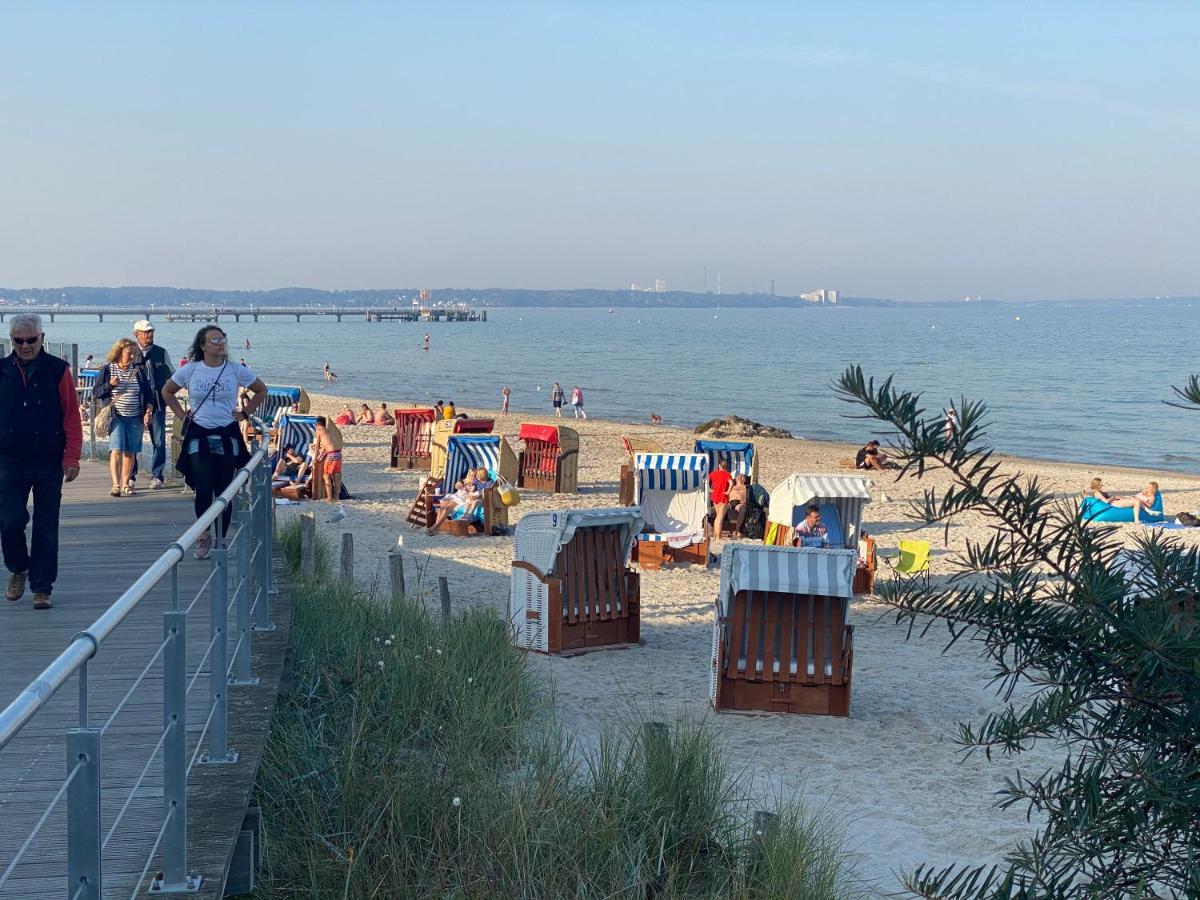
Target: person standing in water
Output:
[(330, 376), (504, 395), (577, 402), (426, 347), (557, 399)]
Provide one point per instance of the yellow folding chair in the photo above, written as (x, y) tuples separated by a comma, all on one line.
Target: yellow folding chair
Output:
[(913, 559)]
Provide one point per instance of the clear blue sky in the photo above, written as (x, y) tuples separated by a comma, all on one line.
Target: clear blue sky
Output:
[(918, 151)]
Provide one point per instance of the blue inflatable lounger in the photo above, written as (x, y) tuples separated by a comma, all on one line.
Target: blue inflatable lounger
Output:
[(1093, 510)]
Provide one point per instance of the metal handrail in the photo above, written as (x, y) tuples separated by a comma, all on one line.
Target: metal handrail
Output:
[(246, 545), (83, 647)]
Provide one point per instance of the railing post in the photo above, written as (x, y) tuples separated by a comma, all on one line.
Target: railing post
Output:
[(83, 814), (242, 674), (218, 661), (175, 878), (262, 533)]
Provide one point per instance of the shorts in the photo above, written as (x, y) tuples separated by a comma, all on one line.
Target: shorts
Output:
[(558, 404), (332, 462), (125, 434)]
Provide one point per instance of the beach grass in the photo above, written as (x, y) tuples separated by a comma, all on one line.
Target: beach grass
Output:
[(416, 758)]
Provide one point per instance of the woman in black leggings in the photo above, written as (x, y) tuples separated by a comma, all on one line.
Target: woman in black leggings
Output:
[(213, 448)]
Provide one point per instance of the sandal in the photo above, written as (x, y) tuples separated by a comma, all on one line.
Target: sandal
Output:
[(127, 491), (115, 492), (203, 547)]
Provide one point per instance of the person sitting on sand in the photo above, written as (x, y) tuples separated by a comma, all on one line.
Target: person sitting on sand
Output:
[(1145, 499), (466, 495), (382, 416), (870, 457), (810, 532), (655, 419), (345, 417), (365, 416), (448, 411), (739, 502), (289, 463)]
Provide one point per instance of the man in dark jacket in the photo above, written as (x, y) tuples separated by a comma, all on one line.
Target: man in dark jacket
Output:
[(157, 367), (40, 441)]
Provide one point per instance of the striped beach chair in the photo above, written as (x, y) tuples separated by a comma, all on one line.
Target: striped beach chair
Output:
[(281, 398), (549, 459), (672, 491), (633, 446), (413, 439), (841, 499), (299, 431), (741, 456), (571, 588), (86, 383), (465, 452), (780, 641)]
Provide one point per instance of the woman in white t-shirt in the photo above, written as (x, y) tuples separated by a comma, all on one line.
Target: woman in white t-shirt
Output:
[(213, 448)]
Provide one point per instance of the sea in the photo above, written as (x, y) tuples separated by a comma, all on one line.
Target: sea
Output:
[(1063, 381)]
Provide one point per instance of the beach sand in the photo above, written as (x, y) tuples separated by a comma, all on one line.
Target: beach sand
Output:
[(892, 770)]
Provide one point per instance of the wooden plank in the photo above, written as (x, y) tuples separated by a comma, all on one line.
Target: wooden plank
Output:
[(105, 544)]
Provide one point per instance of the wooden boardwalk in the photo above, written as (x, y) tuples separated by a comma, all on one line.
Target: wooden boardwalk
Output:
[(105, 544)]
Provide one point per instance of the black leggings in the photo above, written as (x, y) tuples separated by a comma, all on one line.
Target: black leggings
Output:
[(211, 474)]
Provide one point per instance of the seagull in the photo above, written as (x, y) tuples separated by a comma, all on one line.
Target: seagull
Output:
[(885, 498), (338, 515)]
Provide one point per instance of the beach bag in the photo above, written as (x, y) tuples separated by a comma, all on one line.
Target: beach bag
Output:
[(1186, 518), (509, 496), (103, 420)]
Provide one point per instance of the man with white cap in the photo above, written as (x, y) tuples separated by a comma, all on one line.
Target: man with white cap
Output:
[(158, 369)]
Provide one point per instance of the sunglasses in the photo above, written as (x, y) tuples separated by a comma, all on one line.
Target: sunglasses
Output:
[(217, 340), (26, 341)]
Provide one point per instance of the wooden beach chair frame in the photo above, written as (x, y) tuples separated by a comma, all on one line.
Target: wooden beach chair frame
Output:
[(633, 446), (549, 459), (412, 439), (784, 651), (589, 598), (424, 509), (652, 554)]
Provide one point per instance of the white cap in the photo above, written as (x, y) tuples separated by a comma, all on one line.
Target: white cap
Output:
[(143, 325)]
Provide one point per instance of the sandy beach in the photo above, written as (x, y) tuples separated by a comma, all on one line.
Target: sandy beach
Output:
[(892, 771)]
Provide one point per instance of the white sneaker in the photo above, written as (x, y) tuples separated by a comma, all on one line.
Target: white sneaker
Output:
[(155, 483)]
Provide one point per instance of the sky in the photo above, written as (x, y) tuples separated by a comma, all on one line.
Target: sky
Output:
[(905, 150)]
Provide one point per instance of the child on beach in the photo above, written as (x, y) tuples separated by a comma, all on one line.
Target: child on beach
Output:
[(504, 394)]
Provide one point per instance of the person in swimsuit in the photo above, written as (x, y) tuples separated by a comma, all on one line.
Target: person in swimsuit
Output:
[(466, 495), (327, 449), (504, 395), (365, 416), (1145, 499)]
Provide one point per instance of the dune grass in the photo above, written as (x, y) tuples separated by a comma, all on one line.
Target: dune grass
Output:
[(415, 760)]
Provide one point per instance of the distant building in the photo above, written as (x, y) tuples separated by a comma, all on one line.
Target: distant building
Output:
[(821, 296), (636, 286), (660, 286)]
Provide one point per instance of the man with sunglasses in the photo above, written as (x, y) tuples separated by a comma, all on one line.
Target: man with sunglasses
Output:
[(40, 441)]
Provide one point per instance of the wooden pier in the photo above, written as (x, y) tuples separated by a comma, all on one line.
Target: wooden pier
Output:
[(455, 313)]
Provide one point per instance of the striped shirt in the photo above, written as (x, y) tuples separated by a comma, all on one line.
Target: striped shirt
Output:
[(127, 394)]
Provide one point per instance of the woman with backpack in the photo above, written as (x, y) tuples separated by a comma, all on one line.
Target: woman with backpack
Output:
[(122, 381), (213, 448)]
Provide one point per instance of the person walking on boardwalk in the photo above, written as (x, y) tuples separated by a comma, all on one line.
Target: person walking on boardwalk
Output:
[(558, 398), (504, 395), (213, 448), (577, 402), (123, 383), (157, 367), (40, 440)]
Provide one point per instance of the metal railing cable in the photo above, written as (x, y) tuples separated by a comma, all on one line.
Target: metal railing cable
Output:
[(40, 822), (243, 557)]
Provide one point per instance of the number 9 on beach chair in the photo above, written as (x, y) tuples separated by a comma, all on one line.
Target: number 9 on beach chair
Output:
[(780, 638), (672, 491), (571, 588)]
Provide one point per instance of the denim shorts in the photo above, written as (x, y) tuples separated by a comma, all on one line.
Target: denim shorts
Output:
[(125, 434)]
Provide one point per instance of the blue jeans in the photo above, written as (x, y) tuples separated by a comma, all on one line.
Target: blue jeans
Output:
[(158, 440)]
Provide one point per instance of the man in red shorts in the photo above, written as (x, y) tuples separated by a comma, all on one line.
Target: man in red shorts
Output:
[(327, 447), (718, 483)]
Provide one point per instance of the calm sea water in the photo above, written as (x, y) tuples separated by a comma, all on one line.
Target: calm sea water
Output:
[(1063, 382)]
